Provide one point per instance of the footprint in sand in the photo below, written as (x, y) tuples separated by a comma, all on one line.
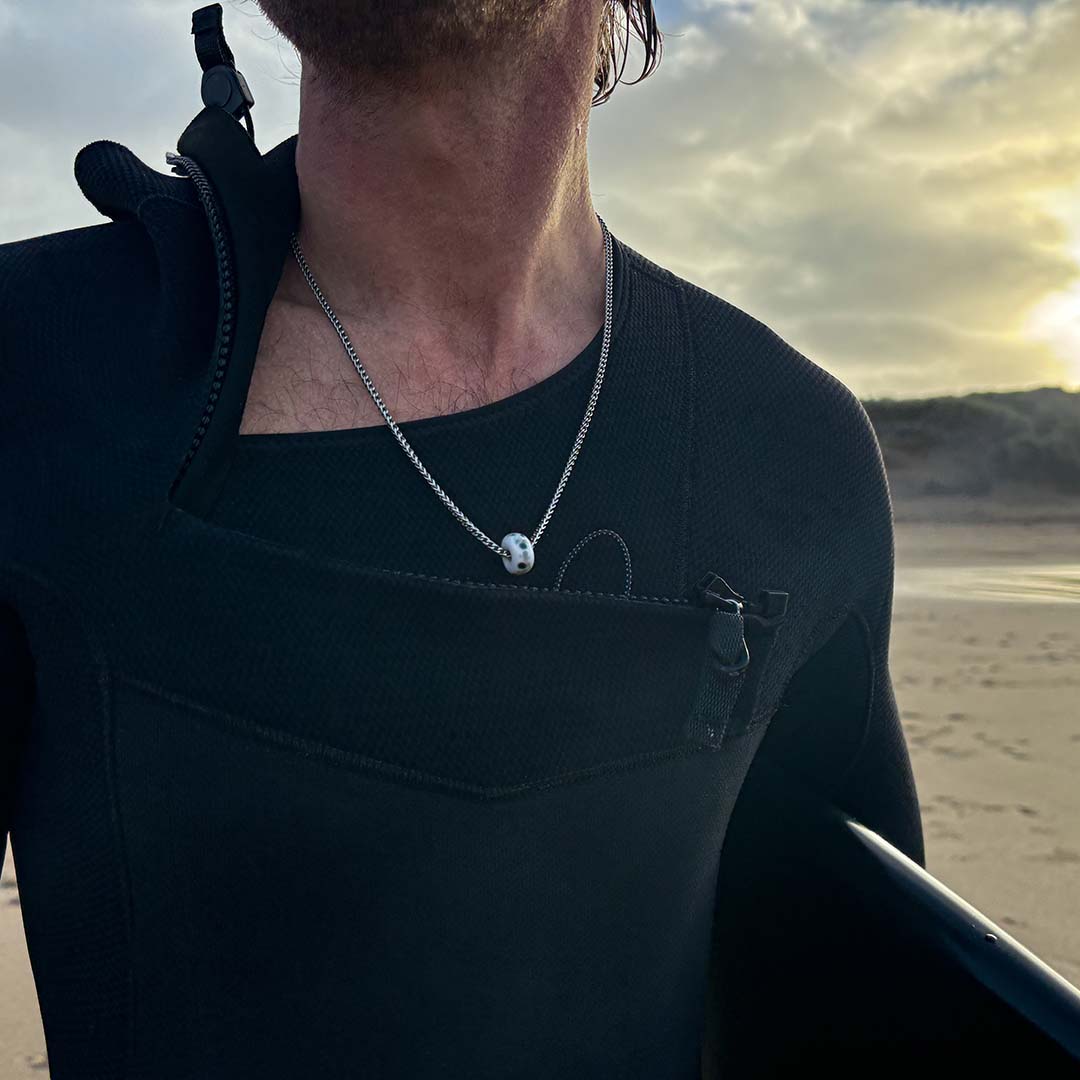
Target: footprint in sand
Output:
[(1018, 755), (940, 831), (962, 806), (1011, 920), (1058, 855), (953, 751), (922, 737), (1004, 747)]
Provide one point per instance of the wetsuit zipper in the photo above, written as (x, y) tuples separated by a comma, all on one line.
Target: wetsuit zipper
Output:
[(727, 637), (186, 166)]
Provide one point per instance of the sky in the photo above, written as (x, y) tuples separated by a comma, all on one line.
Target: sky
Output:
[(892, 186)]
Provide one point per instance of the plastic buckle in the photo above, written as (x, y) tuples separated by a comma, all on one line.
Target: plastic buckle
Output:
[(222, 85)]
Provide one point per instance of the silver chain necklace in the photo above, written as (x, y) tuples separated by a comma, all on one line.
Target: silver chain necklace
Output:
[(517, 549)]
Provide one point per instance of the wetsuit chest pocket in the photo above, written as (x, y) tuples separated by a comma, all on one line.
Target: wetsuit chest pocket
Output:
[(477, 688)]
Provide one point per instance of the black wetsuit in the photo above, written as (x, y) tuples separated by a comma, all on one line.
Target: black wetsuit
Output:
[(300, 782)]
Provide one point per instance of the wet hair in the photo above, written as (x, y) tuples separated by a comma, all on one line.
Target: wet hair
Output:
[(641, 19), (329, 29)]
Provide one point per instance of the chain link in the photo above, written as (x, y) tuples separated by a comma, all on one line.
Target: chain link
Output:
[(447, 501)]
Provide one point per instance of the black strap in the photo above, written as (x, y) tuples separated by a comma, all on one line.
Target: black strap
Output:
[(211, 48), (222, 84)]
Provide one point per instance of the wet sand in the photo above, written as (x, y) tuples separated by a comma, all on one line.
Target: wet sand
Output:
[(22, 1043), (985, 660)]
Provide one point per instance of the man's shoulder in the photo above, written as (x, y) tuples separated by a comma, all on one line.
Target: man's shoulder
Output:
[(149, 215), (66, 295), (772, 429), (119, 303), (93, 281), (786, 449), (36, 267), (742, 365)]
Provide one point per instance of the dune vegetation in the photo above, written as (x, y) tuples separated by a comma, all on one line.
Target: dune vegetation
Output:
[(1012, 446)]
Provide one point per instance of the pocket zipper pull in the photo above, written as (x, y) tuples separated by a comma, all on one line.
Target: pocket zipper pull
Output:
[(726, 637), (769, 609)]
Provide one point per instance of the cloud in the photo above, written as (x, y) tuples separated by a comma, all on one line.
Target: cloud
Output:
[(73, 73), (874, 180), (880, 181)]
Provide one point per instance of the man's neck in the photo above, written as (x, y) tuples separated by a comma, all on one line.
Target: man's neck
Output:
[(458, 222)]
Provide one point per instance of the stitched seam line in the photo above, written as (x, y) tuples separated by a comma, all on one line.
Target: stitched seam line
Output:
[(582, 542), (379, 570), (690, 439), (801, 657), (338, 756), (103, 680)]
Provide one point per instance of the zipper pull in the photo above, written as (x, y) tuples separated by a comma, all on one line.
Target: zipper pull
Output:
[(726, 637), (770, 608)]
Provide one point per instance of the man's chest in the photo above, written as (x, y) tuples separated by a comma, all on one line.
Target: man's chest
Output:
[(304, 378)]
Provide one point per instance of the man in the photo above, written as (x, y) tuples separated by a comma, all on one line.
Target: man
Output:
[(483, 269), (306, 773)]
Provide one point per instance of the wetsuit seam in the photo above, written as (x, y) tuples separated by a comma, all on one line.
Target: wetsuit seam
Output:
[(164, 195), (245, 727), (9, 570), (812, 646), (867, 657), (361, 568), (689, 440), (659, 275)]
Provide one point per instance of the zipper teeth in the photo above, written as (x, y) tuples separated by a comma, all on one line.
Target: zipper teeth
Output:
[(194, 172)]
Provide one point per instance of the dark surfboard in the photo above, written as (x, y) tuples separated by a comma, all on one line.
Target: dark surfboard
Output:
[(966, 938), (834, 951)]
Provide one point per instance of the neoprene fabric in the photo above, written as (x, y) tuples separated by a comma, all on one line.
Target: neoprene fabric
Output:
[(293, 792)]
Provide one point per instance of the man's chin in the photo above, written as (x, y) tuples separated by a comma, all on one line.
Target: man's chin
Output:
[(406, 42)]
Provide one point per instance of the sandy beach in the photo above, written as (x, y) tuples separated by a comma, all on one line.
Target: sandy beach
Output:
[(985, 660), (22, 1042)]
